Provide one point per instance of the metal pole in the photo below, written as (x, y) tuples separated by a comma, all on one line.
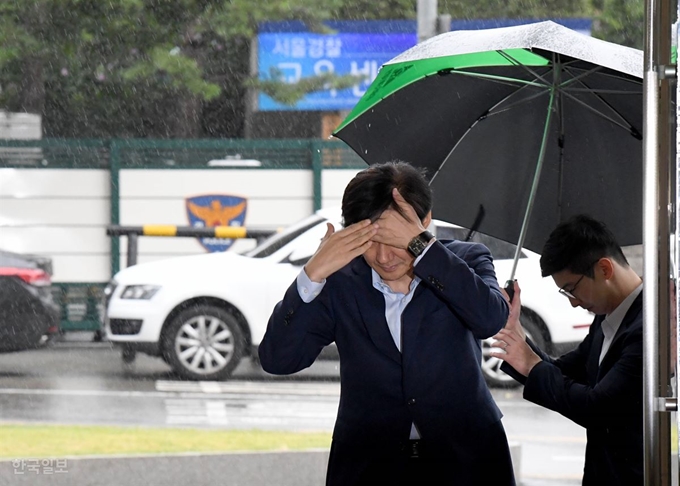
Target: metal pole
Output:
[(675, 302), (132, 249), (443, 23), (114, 198), (650, 255), (537, 177), (251, 105), (317, 150), (656, 148), (427, 19), (674, 336)]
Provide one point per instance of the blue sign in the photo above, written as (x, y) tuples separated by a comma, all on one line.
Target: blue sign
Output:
[(208, 211), (288, 52), (293, 56)]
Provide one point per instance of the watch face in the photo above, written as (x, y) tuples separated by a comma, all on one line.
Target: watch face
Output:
[(418, 243), (416, 246)]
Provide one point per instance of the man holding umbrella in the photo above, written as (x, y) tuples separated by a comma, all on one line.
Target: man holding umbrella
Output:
[(599, 384), (407, 313)]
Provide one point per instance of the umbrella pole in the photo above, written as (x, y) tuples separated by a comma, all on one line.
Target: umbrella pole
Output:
[(534, 185)]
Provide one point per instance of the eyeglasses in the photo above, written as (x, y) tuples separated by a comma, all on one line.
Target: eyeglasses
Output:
[(570, 293)]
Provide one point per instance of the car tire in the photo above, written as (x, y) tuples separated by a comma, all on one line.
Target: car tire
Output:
[(491, 366), (203, 342)]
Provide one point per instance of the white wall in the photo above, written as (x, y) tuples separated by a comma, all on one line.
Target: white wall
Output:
[(20, 126), (275, 198), (63, 213), (333, 183)]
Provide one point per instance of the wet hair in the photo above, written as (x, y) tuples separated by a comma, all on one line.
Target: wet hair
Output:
[(577, 244), (369, 193)]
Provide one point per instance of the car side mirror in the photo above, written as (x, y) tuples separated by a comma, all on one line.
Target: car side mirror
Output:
[(299, 256)]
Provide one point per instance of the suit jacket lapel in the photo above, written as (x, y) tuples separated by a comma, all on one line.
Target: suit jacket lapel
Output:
[(593, 363), (627, 321), (371, 305)]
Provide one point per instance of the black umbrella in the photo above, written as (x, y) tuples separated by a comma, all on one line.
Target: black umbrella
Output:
[(527, 125)]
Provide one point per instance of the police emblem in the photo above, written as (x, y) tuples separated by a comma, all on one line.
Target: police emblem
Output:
[(212, 210)]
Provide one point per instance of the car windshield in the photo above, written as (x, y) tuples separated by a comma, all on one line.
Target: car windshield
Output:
[(277, 241)]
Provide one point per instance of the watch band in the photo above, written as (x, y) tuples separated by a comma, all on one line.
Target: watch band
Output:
[(418, 244)]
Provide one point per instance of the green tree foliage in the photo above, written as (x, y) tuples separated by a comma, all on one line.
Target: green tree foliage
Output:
[(94, 68), (240, 18), (376, 10), (480, 9), (621, 21), (136, 67), (180, 68), (291, 93)]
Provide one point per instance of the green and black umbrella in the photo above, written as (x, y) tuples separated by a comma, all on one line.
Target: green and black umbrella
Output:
[(526, 125)]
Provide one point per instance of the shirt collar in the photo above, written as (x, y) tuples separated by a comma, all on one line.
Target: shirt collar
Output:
[(385, 289), (613, 321)]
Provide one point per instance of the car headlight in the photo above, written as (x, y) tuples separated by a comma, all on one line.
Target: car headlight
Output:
[(139, 292)]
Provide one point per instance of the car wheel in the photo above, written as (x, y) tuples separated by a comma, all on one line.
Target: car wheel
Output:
[(203, 342), (491, 366)]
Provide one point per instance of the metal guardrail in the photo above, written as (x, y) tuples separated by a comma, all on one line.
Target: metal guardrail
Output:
[(166, 230), (81, 305)]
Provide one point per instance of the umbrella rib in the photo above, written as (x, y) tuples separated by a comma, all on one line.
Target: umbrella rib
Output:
[(579, 79), (607, 74), (516, 103), (600, 91), (460, 140), (628, 127), (453, 149), (576, 79), (500, 79), (525, 67)]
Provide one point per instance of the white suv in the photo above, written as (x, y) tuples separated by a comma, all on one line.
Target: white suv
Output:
[(202, 314)]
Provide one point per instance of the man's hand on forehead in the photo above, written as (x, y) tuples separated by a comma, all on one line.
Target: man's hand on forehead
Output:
[(397, 228), (338, 248)]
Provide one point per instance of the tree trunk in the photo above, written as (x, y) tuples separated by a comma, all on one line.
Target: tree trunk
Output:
[(186, 122), (32, 93)]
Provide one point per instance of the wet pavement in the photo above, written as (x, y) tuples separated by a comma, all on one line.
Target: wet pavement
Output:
[(82, 382)]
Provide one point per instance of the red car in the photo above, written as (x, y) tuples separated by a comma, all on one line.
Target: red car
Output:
[(28, 312)]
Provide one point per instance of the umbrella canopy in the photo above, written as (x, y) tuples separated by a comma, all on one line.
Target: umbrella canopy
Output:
[(526, 125)]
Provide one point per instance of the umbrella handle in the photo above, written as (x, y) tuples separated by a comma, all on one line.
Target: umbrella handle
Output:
[(510, 289), (478, 220)]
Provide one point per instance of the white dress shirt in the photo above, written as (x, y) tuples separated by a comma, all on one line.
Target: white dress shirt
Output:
[(613, 321)]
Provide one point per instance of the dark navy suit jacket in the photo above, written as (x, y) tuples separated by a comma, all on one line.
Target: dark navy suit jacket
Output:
[(435, 382), (606, 399)]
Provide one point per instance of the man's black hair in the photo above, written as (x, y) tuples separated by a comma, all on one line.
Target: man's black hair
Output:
[(577, 244), (369, 193)]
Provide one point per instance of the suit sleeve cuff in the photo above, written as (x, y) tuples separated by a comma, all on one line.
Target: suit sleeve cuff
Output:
[(420, 257), (307, 289), (512, 372)]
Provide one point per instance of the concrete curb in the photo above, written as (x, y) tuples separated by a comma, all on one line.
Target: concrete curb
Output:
[(305, 468), (229, 469)]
